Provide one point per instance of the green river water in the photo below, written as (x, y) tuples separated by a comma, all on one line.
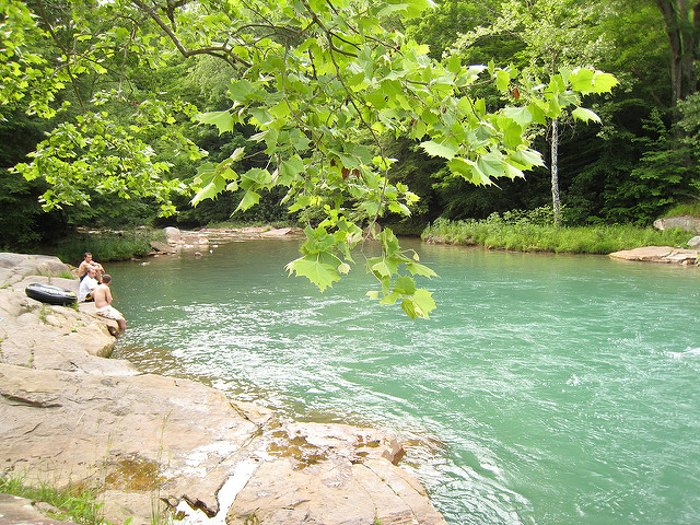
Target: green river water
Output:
[(549, 390)]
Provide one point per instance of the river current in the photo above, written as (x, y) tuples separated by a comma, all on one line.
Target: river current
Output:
[(546, 389)]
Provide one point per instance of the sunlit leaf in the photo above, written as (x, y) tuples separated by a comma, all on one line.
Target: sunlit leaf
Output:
[(223, 120), (321, 274), (586, 115), (446, 151)]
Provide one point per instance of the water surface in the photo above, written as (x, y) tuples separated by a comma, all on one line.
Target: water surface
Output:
[(545, 390)]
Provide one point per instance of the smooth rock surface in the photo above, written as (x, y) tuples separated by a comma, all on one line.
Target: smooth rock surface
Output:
[(20, 511), (658, 254), (147, 442)]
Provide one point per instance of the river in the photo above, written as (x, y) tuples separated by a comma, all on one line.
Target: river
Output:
[(546, 389)]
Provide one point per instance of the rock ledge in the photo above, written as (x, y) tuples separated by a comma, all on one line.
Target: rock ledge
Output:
[(659, 254)]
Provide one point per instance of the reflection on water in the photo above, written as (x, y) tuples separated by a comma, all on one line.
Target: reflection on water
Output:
[(545, 389)]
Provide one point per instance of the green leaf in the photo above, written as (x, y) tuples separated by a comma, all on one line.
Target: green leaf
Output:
[(588, 81), (420, 304), (223, 120), (582, 80), (585, 115), (391, 8), (502, 80), (299, 141), (243, 90), (538, 111), (400, 208), (416, 268), (416, 7), (604, 82), (512, 172), (209, 191), (390, 298), (491, 164), (321, 274), (382, 269), (527, 158), (519, 114), (405, 285), (237, 154), (435, 149), (289, 169), (462, 167), (250, 199)]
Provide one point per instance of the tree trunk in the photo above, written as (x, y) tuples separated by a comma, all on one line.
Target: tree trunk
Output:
[(554, 141), (682, 20)]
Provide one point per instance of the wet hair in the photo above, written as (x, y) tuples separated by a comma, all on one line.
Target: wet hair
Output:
[(106, 278), (86, 254)]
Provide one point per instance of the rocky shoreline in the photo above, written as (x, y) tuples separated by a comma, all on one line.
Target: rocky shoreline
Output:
[(150, 444)]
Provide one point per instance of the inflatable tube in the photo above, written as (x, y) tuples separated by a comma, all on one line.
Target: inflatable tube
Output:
[(50, 294)]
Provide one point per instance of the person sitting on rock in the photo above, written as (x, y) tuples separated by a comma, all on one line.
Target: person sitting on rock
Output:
[(87, 285), (103, 302), (87, 264)]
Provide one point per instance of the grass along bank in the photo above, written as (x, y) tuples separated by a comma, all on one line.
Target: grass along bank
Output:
[(521, 235), (80, 505)]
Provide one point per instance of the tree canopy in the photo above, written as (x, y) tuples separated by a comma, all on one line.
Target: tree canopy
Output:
[(319, 84)]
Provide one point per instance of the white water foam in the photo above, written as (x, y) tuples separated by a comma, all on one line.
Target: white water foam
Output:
[(688, 353), (227, 495)]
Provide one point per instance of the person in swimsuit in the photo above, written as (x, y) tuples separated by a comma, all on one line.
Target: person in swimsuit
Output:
[(103, 302), (87, 264)]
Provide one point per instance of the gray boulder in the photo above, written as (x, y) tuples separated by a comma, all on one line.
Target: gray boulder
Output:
[(684, 222), (172, 235), (14, 267)]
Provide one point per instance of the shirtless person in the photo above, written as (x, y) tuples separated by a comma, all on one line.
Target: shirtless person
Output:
[(87, 264), (103, 302)]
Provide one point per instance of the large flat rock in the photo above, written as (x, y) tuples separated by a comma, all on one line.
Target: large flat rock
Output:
[(137, 434), (659, 254)]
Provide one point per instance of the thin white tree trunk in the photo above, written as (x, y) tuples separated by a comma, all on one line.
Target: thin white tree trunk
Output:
[(556, 204)]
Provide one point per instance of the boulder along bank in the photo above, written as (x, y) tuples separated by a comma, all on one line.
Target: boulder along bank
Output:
[(148, 443)]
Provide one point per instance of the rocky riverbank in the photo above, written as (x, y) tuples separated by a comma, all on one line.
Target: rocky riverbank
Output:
[(149, 443), (660, 254)]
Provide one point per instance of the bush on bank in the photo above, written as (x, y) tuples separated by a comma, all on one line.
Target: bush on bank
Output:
[(523, 234), (107, 245)]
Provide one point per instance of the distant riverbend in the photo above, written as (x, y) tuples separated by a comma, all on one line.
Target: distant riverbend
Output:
[(548, 390)]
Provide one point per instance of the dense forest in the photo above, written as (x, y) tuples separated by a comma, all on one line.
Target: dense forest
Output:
[(344, 114)]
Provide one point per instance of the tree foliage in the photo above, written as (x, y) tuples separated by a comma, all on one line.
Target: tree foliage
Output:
[(554, 34), (320, 83)]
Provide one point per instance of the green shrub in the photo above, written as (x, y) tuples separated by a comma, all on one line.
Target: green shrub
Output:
[(108, 246), (689, 208)]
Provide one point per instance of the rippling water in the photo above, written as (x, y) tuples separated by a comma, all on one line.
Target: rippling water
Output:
[(554, 390)]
